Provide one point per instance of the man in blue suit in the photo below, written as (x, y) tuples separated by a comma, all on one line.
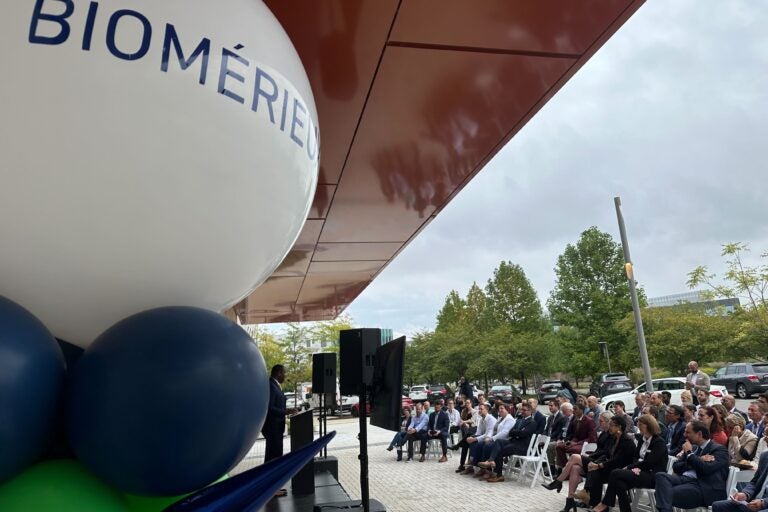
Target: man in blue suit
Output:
[(437, 428), (749, 494), (699, 473), (675, 435), (274, 424)]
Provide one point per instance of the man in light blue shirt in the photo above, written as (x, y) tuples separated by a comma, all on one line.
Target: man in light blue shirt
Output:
[(418, 429)]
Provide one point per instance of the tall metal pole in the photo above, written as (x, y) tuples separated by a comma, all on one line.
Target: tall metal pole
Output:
[(633, 294)]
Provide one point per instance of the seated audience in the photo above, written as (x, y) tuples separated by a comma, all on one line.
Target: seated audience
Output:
[(729, 401), (399, 439), (711, 418), (699, 473), (485, 427), (418, 429), (620, 453), (675, 428), (741, 442), (576, 462), (581, 430), (437, 429), (755, 413), (749, 494), (762, 445), (516, 443), (650, 458)]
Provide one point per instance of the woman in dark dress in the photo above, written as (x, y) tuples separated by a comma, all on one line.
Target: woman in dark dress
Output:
[(574, 468), (620, 454), (650, 458)]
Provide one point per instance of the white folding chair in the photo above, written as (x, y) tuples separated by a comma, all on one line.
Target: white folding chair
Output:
[(434, 447), (516, 460), (536, 461), (588, 447), (651, 493)]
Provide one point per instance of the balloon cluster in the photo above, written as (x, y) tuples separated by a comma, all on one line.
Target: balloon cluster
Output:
[(162, 403)]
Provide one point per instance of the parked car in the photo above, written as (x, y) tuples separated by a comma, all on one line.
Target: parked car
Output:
[(505, 393), (347, 401), (436, 392), (356, 406), (743, 379), (609, 383), (295, 401), (551, 388), (418, 393), (675, 386)]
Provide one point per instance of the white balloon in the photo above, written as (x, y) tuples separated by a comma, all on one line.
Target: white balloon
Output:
[(151, 153)]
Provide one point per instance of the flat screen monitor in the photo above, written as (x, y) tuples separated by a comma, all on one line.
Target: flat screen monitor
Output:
[(387, 388)]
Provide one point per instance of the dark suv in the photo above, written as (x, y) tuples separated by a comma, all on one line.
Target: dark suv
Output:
[(743, 379), (608, 384)]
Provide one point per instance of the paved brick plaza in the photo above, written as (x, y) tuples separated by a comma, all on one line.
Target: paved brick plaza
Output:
[(429, 485)]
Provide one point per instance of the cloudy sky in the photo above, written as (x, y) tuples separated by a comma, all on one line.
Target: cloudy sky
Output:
[(671, 115)]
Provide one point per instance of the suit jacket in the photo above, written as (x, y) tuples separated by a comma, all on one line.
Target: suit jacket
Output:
[(677, 438), (655, 460), (521, 434), (619, 455), (582, 430), (541, 422), (443, 422), (757, 483), (524, 428), (555, 424), (759, 431), (711, 475), (275, 420), (702, 381)]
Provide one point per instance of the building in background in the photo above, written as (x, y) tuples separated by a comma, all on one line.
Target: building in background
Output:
[(696, 298)]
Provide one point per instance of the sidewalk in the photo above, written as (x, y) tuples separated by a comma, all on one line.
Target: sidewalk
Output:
[(409, 486)]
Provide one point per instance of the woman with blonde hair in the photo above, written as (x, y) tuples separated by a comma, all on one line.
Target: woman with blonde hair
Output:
[(686, 397), (742, 443), (650, 458)]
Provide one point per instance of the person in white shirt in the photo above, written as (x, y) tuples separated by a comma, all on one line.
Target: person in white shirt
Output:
[(454, 419), (485, 426)]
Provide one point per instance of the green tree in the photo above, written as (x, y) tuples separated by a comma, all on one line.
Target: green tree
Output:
[(676, 335), (750, 285), (268, 344), (452, 312), (591, 295), (326, 333), (294, 343), (512, 300)]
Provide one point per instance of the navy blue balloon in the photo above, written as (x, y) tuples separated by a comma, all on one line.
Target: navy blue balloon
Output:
[(31, 379), (167, 400)]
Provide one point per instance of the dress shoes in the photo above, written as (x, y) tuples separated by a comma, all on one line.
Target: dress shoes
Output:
[(496, 478)]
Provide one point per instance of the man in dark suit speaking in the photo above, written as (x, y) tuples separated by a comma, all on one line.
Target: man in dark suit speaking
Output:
[(274, 424)]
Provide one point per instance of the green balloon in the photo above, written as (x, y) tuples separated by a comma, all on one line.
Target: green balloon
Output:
[(61, 486), (150, 504)]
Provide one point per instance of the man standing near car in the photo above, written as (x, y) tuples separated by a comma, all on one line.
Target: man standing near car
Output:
[(696, 380)]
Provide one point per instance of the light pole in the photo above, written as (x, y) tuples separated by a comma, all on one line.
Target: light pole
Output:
[(604, 350), (633, 295)]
